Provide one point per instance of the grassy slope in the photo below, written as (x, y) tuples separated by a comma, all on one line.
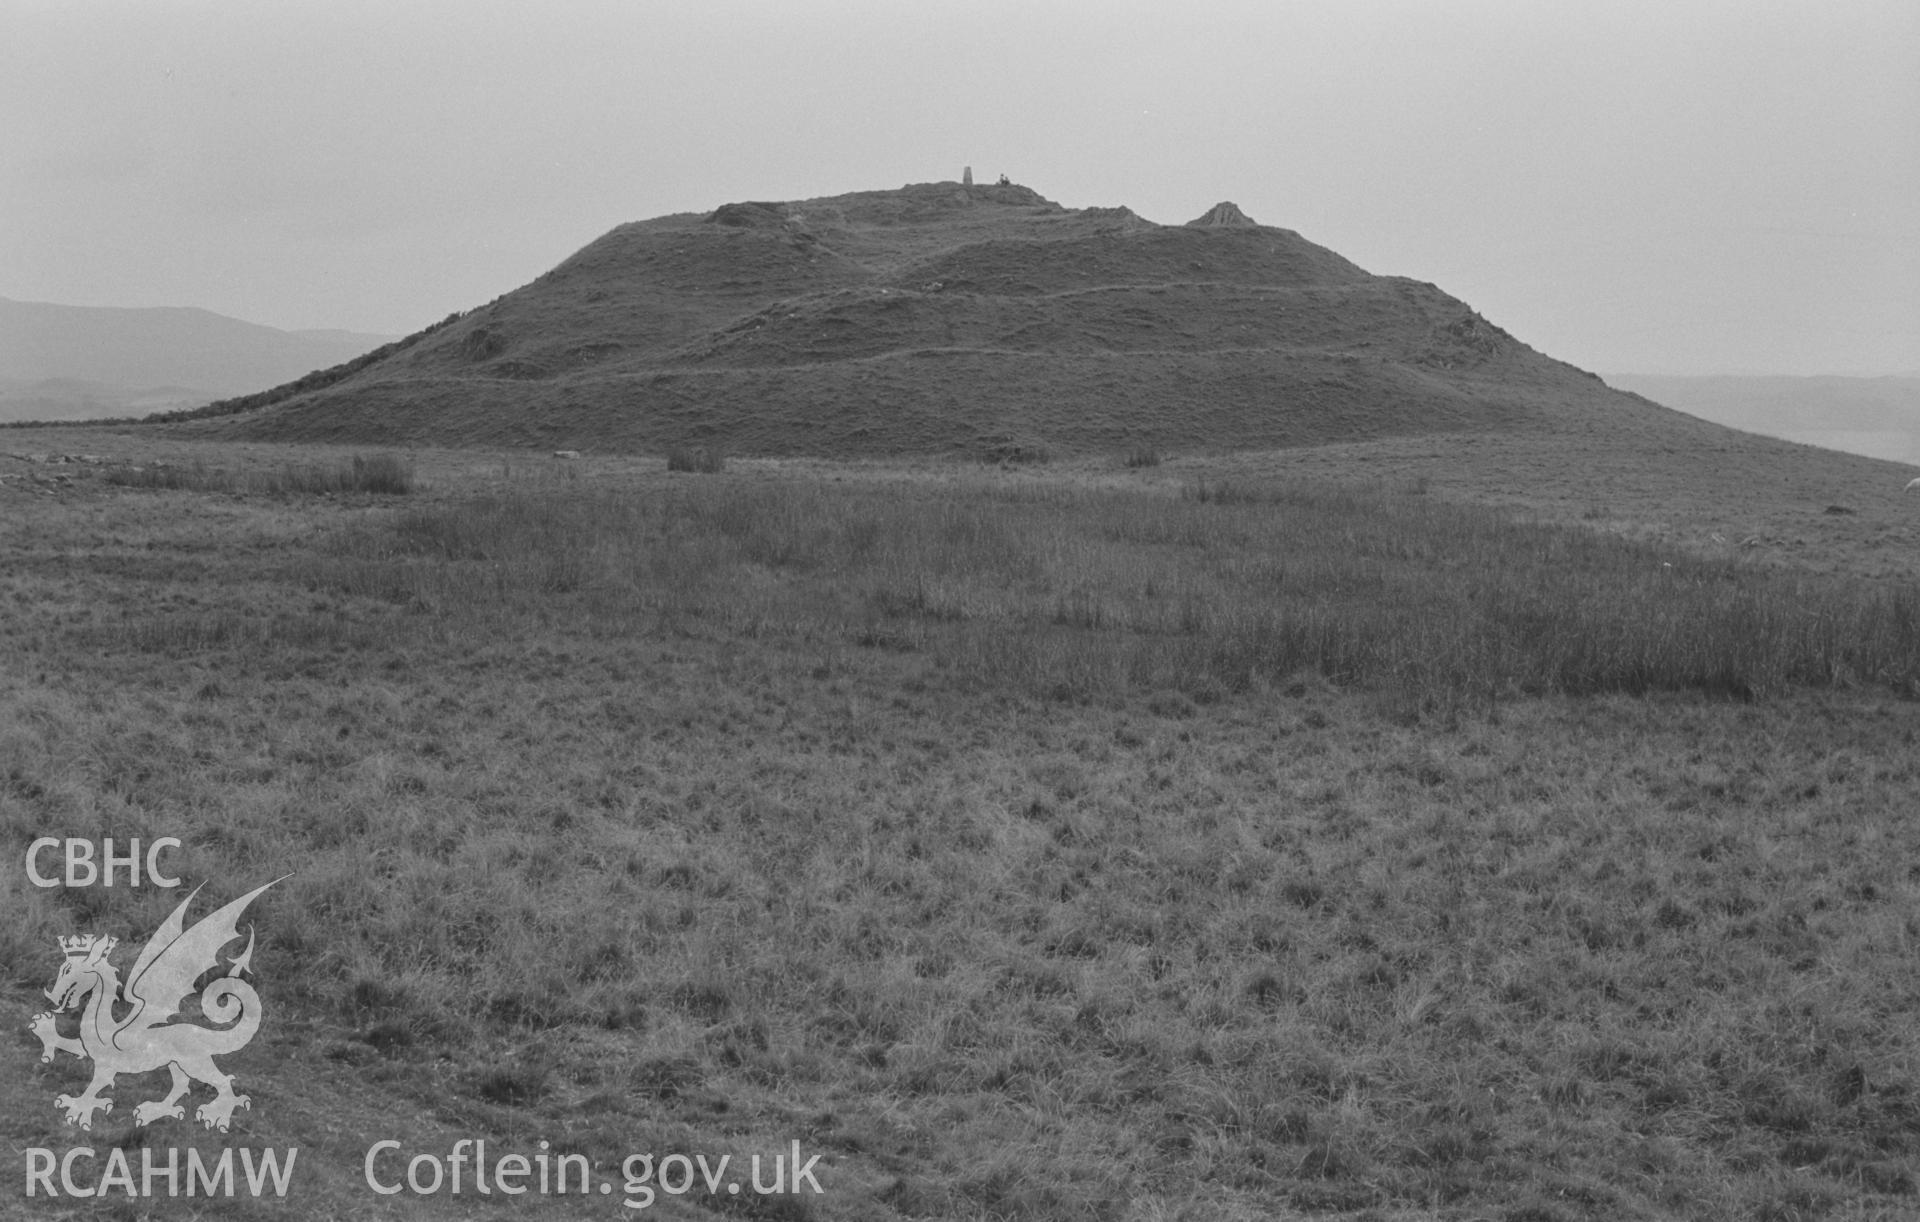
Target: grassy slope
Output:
[(717, 831), (933, 319)]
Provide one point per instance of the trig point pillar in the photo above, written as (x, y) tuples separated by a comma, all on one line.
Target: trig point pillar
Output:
[(966, 177)]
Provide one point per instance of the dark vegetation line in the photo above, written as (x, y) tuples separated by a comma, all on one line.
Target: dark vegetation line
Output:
[(91, 422), (383, 474)]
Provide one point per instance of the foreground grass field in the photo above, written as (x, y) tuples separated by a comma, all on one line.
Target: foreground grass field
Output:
[(1219, 846)]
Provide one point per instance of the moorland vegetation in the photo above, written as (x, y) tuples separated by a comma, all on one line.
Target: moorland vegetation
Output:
[(1174, 843)]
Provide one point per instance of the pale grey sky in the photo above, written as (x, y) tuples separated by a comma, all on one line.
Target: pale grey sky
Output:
[(1671, 187)]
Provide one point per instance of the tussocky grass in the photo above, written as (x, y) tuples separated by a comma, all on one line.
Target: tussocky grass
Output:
[(727, 807), (1088, 593), (385, 474)]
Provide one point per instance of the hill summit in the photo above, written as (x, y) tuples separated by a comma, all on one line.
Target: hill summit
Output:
[(938, 317), (1224, 215)]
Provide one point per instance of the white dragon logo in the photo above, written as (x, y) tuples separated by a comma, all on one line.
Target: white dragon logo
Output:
[(142, 1039)]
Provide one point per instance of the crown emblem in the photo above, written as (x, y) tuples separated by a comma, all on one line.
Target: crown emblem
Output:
[(82, 945)]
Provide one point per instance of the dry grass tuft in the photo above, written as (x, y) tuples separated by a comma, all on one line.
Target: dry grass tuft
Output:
[(381, 474), (702, 460)]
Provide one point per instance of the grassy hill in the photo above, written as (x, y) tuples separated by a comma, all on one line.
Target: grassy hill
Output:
[(943, 318)]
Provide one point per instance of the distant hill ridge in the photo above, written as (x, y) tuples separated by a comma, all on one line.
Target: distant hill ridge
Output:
[(940, 317), (1874, 416), (60, 355)]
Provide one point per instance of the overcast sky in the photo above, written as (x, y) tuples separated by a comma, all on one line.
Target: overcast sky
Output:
[(1680, 186)]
